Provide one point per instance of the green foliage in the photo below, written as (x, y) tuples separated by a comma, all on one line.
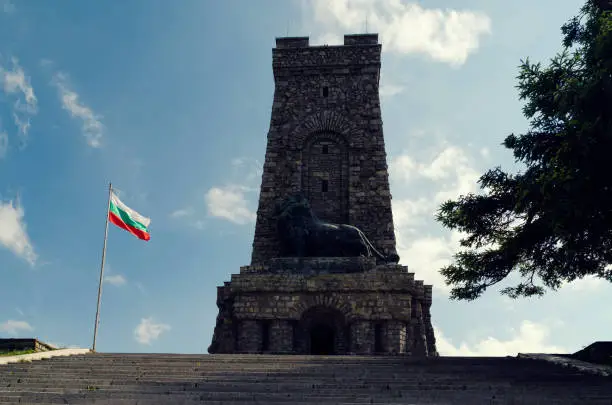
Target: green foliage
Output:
[(552, 222), (17, 352)]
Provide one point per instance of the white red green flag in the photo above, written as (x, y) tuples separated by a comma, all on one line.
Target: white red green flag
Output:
[(128, 219)]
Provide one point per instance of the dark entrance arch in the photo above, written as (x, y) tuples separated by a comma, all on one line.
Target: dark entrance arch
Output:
[(323, 331), (322, 339)]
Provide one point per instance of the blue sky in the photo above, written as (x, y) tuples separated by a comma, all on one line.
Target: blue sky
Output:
[(172, 104)]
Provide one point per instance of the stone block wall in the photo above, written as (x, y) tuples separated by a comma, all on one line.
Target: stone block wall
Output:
[(325, 141), (396, 337), (375, 311), (282, 335), (326, 102), (15, 344), (249, 336), (362, 337)]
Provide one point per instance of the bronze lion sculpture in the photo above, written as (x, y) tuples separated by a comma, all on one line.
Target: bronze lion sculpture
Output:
[(302, 234)]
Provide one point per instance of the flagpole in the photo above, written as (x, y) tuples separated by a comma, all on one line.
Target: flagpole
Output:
[(93, 347)]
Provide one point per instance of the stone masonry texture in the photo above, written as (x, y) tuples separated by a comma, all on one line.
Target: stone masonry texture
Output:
[(326, 141), (326, 127)]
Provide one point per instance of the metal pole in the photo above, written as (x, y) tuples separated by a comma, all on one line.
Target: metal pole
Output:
[(93, 348)]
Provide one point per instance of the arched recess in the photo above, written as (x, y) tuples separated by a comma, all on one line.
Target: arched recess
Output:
[(322, 300), (325, 175), (327, 121), (322, 330)]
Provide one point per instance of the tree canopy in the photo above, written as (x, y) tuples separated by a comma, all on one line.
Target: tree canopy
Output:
[(552, 222)]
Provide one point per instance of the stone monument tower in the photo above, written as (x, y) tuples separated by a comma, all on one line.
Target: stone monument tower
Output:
[(313, 286)]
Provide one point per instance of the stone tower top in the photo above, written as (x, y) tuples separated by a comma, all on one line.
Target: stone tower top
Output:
[(293, 54), (349, 40), (326, 139)]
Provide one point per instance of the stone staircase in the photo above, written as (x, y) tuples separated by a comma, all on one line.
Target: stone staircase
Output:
[(153, 379)]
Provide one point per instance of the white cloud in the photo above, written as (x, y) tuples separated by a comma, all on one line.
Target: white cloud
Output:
[(229, 203), (388, 87), (180, 213), (409, 213), (237, 161), (330, 38), (402, 168), (13, 233), (392, 84), (115, 279), (451, 171), (390, 90), (426, 255), (448, 36), (448, 174), (92, 126), (586, 284), (16, 83), (531, 337), (253, 167), (147, 330), (13, 328)]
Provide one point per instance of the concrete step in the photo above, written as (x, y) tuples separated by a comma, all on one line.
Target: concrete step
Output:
[(330, 390), (197, 401), (167, 401), (297, 376), (248, 379), (357, 373), (237, 367), (94, 358), (534, 368), (221, 368), (327, 388), (181, 396), (568, 375), (262, 386), (243, 399), (263, 359), (218, 373), (190, 380), (294, 385), (51, 362), (87, 363)]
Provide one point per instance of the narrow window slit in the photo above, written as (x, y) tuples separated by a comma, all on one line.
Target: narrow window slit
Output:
[(265, 336)]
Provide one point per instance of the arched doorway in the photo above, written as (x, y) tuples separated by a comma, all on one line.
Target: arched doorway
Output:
[(322, 339), (322, 331)]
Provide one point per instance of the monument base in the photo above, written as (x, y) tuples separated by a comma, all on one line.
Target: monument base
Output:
[(278, 309)]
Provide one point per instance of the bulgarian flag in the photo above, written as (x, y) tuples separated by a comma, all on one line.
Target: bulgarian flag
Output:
[(128, 219)]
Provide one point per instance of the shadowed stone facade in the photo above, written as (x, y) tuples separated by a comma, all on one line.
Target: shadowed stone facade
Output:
[(325, 141)]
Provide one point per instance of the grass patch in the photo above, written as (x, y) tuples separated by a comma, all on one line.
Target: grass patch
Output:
[(17, 352)]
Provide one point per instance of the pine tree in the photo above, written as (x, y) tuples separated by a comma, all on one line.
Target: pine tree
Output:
[(552, 222)]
